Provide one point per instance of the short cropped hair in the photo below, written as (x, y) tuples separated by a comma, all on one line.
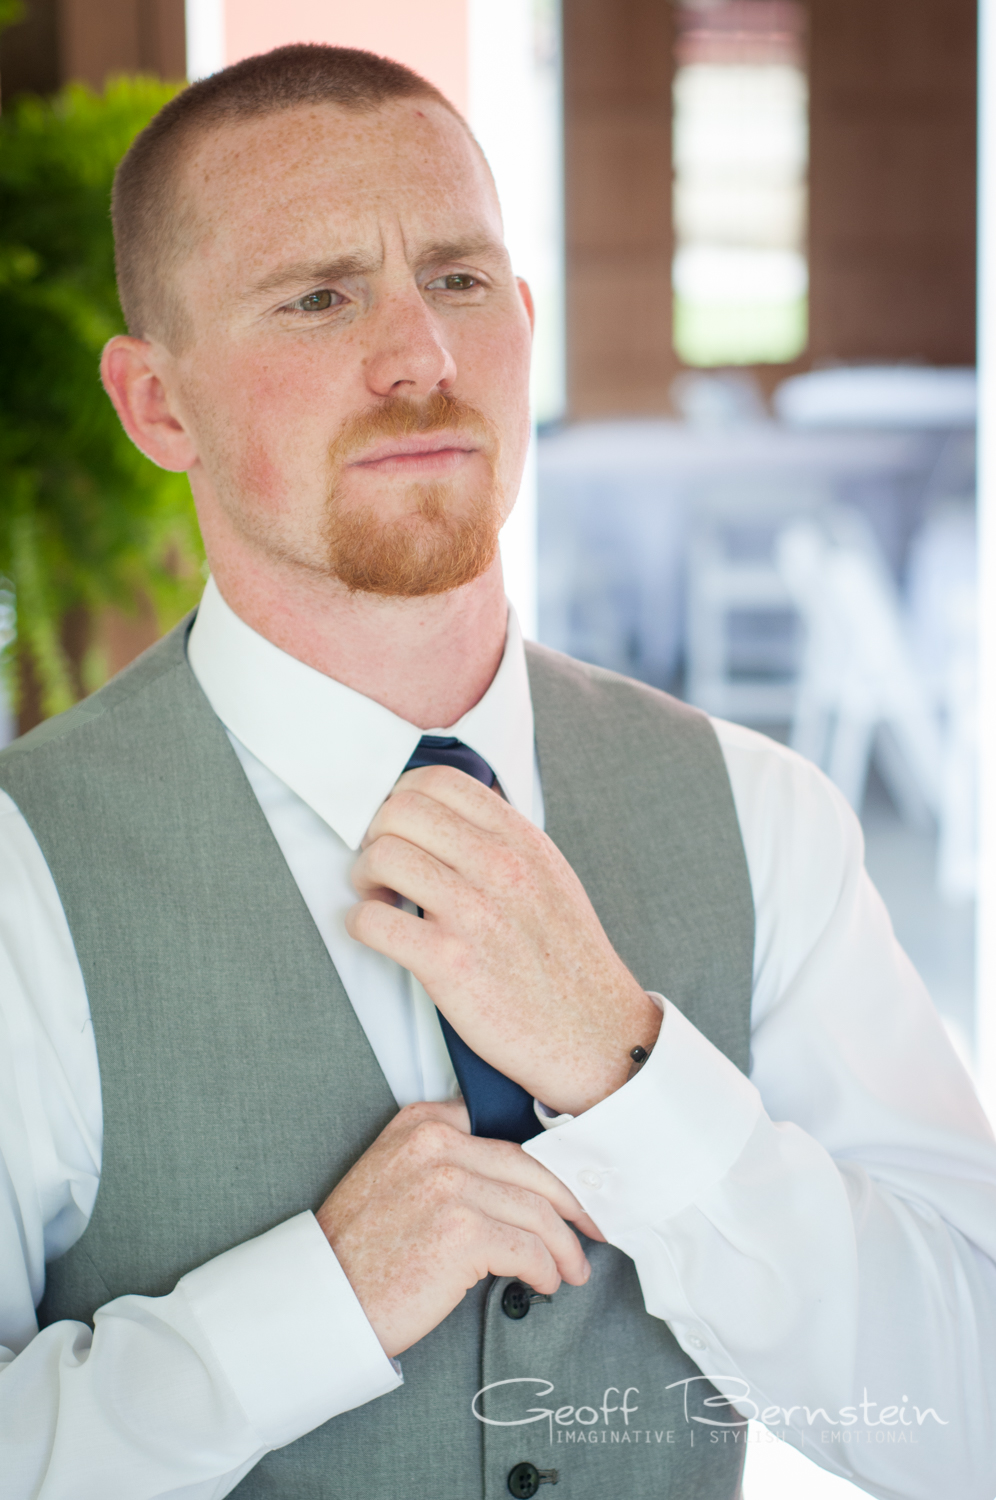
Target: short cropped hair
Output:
[(151, 232)]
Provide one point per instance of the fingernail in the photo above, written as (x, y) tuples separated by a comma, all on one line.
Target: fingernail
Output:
[(587, 1269)]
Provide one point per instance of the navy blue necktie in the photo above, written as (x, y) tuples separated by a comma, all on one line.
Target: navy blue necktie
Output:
[(498, 1107)]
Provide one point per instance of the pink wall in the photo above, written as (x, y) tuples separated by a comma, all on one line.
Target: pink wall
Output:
[(428, 35)]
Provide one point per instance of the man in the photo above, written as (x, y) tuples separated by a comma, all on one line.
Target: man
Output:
[(326, 335)]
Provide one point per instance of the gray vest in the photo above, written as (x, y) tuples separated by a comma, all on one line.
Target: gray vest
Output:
[(238, 1085)]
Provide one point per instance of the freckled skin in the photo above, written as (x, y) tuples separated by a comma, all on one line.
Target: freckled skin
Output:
[(321, 193)]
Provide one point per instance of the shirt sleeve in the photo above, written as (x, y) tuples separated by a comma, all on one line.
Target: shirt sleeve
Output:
[(821, 1236), (167, 1396)]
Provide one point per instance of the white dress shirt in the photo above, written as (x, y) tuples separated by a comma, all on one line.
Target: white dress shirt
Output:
[(818, 1234)]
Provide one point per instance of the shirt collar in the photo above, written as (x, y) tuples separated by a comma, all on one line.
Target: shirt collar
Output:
[(338, 750)]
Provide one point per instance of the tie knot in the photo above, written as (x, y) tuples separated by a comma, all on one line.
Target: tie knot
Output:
[(447, 750)]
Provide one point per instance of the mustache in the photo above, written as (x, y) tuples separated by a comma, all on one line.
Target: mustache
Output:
[(401, 416)]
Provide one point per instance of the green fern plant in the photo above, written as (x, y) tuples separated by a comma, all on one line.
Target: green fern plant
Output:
[(86, 521)]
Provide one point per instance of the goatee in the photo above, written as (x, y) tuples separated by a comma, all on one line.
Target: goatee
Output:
[(444, 540)]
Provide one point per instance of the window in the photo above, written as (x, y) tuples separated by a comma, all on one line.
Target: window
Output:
[(740, 150)]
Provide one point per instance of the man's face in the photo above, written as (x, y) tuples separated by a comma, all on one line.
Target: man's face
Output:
[(356, 372)]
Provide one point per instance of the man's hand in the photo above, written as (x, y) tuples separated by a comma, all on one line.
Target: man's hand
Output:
[(510, 950), (430, 1209)]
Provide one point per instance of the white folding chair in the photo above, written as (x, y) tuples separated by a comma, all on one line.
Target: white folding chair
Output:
[(740, 642), (859, 692)]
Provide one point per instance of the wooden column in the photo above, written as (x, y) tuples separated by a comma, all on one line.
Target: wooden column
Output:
[(617, 129), (88, 41), (99, 38), (892, 180)]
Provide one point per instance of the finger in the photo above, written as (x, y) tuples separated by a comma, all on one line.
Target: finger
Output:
[(392, 863), (531, 1212), (451, 1112), (397, 934), (443, 865), (425, 820), (461, 793), (509, 1251), (504, 1162), (438, 830), (513, 1251), (587, 1226), (497, 1161), (381, 893)]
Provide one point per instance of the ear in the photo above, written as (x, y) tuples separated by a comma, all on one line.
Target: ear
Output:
[(527, 302), (130, 370)]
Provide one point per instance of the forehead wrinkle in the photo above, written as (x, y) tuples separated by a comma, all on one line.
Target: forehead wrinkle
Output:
[(472, 244)]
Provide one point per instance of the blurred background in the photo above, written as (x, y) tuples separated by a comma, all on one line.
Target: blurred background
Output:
[(750, 227)]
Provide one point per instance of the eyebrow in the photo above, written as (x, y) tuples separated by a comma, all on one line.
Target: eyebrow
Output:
[(310, 273), (459, 250)]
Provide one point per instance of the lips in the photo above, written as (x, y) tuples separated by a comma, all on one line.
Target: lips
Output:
[(426, 445)]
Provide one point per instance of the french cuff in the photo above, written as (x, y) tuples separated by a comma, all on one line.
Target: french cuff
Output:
[(288, 1331), (660, 1142)]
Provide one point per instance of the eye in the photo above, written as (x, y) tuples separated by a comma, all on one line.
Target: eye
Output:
[(457, 281), (317, 301)]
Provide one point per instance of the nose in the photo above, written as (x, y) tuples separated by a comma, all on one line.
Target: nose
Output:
[(408, 356)]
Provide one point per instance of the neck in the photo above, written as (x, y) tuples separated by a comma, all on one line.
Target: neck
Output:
[(427, 660)]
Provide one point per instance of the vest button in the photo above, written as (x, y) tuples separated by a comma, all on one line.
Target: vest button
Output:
[(523, 1481), (515, 1302)]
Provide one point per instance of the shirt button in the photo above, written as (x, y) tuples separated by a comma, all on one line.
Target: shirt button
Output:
[(697, 1342), (590, 1179)]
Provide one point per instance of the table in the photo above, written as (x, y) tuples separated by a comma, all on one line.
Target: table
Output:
[(617, 499)]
